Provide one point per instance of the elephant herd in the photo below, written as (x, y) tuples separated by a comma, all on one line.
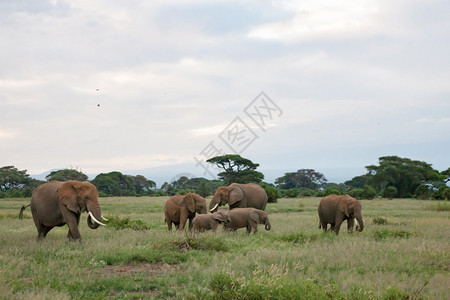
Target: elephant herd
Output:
[(58, 203)]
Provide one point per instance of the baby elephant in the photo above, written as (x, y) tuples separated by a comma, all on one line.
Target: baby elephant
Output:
[(210, 221), (247, 217)]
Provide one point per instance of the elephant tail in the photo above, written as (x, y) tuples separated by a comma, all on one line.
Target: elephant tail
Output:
[(21, 211), (267, 226)]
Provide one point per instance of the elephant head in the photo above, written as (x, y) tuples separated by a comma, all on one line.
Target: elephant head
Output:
[(221, 217), (80, 196), (352, 209), (260, 217), (194, 203), (226, 195)]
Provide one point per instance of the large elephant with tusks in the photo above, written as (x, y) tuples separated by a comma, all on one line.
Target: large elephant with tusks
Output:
[(239, 195), (58, 203)]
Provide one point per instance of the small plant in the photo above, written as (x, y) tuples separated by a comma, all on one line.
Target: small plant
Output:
[(389, 233), (380, 221), (299, 237), (126, 223)]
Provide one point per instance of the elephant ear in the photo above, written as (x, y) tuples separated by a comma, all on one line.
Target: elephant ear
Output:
[(67, 196), (219, 216), (254, 215), (236, 195), (343, 208), (189, 202)]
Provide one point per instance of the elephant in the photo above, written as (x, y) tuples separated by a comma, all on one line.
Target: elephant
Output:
[(178, 209), (239, 195), (57, 203), (247, 217), (210, 221), (334, 209)]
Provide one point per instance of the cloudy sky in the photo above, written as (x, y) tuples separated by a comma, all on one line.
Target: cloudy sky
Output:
[(130, 85)]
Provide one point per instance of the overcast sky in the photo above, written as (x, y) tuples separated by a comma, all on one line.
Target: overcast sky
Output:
[(124, 85)]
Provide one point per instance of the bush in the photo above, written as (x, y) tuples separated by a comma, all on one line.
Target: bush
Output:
[(330, 191), (369, 192), (380, 221), (272, 192), (443, 193), (423, 192), (290, 193), (357, 193), (389, 192), (307, 192)]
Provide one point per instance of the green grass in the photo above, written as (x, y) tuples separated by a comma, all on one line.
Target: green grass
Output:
[(403, 253)]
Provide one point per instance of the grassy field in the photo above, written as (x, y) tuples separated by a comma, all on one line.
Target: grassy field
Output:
[(403, 253)]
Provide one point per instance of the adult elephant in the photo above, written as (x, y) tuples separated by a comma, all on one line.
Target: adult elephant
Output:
[(334, 209), (239, 195), (178, 209), (58, 203)]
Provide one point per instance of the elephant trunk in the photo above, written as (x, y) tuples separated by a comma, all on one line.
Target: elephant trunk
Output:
[(360, 223), (94, 215), (267, 226), (213, 205)]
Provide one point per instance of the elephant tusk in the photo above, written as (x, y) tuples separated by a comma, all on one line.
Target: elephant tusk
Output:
[(214, 208), (95, 220), (105, 219)]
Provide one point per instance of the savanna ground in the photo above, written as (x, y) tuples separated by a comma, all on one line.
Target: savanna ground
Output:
[(403, 253)]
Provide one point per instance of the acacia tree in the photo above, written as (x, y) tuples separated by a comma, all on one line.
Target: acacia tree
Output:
[(402, 173), (66, 174), (12, 178), (237, 169), (303, 178)]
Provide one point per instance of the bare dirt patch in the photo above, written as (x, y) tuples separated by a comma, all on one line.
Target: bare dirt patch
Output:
[(148, 269)]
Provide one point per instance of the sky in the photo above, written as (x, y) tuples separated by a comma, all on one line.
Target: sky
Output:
[(129, 86)]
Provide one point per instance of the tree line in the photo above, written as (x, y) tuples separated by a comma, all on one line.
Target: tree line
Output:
[(393, 177)]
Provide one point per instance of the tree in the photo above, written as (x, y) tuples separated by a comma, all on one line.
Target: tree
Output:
[(402, 173), (66, 174), (141, 184), (114, 184), (446, 175), (389, 192), (358, 181), (303, 178), (423, 192), (236, 169), (12, 178)]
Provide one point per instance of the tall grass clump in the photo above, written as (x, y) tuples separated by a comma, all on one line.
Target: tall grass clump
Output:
[(382, 234), (440, 206), (126, 223)]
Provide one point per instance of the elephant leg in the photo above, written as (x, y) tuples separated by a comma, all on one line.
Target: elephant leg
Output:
[(253, 225), (183, 220), (190, 224), (350, 224), (72, 221), (42, 231), (337, 224), (324, 226)]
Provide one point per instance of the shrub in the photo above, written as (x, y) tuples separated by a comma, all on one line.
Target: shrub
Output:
[(124, 223), (307, 192), (330, 191), (443, 193), (369, 192), (272, 192), (389, 233), (389, 192), (423, 192), (380, 221), (357, 193), (290, 193)]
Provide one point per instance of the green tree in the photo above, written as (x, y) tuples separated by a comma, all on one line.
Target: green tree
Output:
[(114, 184), (358, 181), (66, 174), (12, 178), (236, 169), (303, 178), (142, 185), (402, 173)]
